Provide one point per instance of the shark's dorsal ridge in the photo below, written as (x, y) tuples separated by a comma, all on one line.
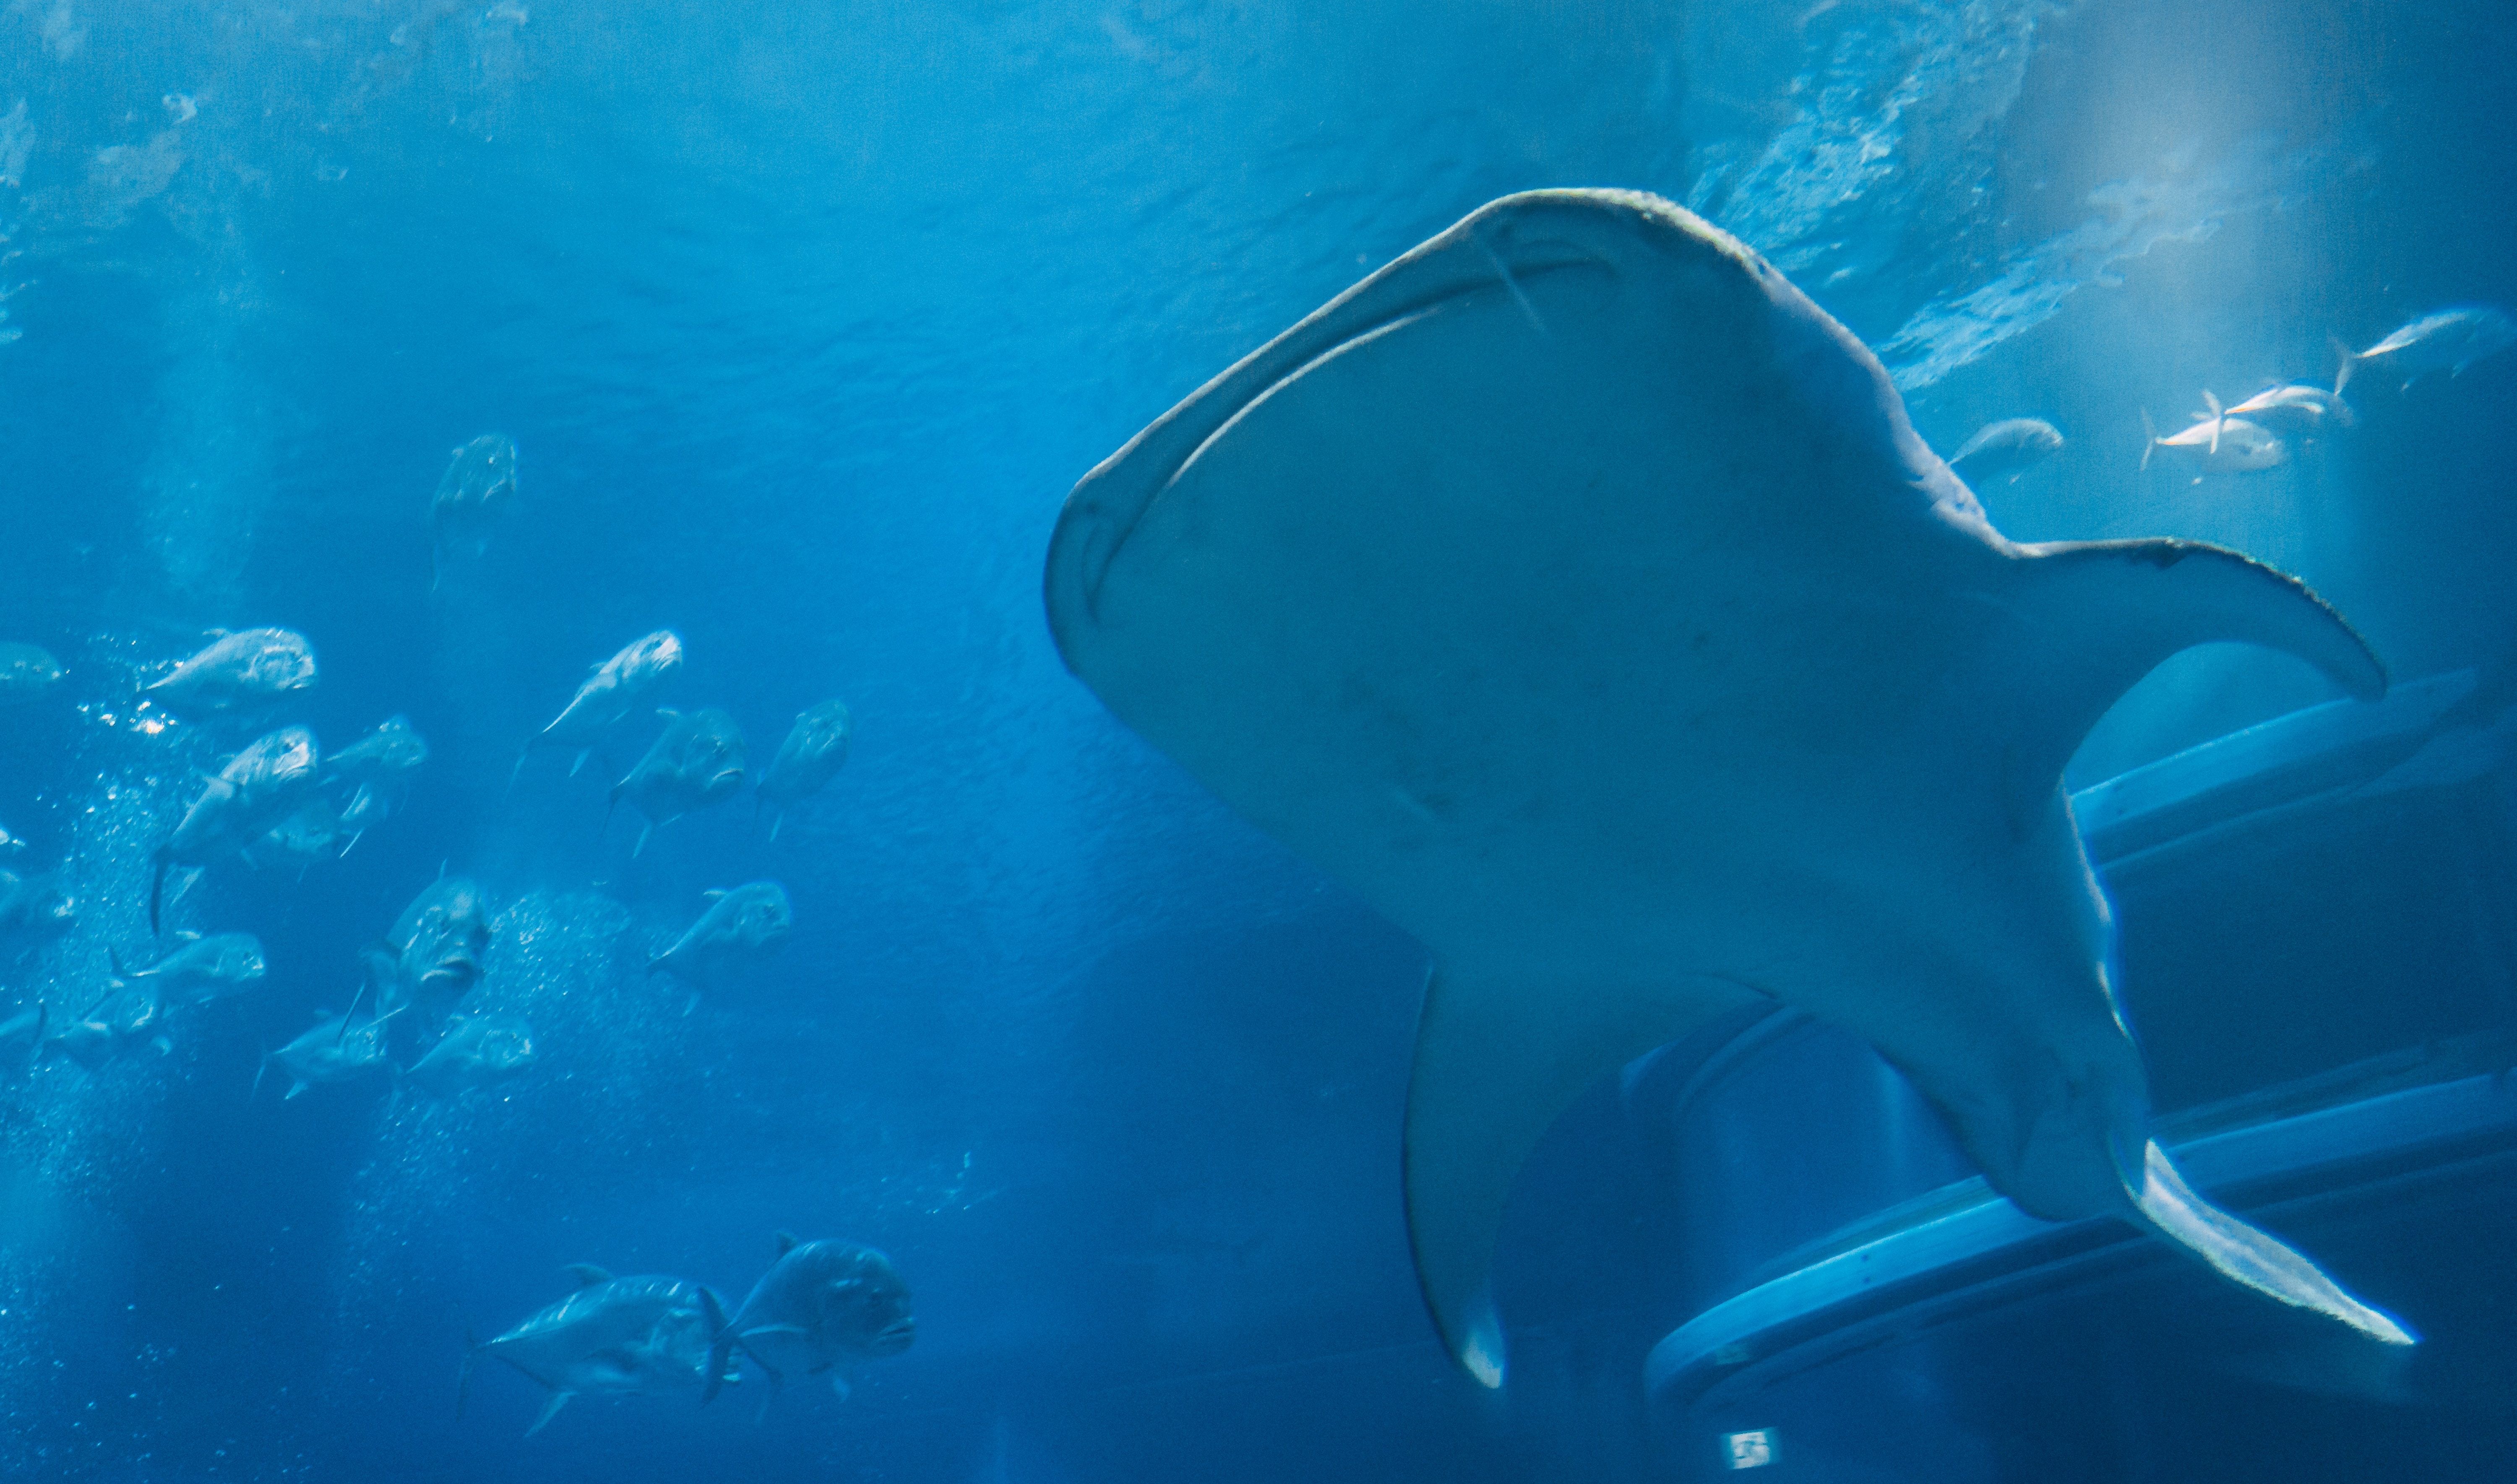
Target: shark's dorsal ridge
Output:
[(1495, 1066)]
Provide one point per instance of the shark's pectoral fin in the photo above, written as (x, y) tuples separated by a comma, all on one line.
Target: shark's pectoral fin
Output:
[(2245, 1256), (2095, 616), (1498, 1057)]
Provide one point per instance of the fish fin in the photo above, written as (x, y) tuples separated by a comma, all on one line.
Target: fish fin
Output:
[(713, 893), (259, 1069), (2245, 1256), (2344, 362), (2219, 419), (587, 1274), (639, 849), (187, 935), (776, 822), (583, 756), (550, 1409), (1497, 1059), (294, 1087), (2095, 616), (720, 1350), (2148, 438), (785, 1241)]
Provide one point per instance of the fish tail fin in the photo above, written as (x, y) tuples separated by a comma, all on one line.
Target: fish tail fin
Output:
[(518, 771), (776, 822), (584, 755), (259, 1069), (721, 1343), (639, 849), (2245, 1256), (2344, 362), (2219, 418), (2148, 438)]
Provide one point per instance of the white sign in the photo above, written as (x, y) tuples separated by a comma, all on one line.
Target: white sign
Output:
[(1749, 1450)]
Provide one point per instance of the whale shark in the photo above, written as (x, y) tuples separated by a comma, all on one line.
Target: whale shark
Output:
[(1576, 591)]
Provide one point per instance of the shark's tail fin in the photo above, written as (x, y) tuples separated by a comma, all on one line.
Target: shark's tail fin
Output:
[(2148, 438), (2245, 1256)]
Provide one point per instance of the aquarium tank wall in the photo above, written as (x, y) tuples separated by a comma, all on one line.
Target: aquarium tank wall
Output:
[(1622, 740)]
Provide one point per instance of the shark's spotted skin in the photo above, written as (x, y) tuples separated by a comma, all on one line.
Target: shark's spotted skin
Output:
[(1575, 590)]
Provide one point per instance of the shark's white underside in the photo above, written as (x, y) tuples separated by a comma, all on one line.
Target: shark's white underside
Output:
[(1575, 590)]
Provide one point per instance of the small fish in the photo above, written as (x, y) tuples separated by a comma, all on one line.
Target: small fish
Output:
[(476, 487), (335, 1050), (696, 763), (823, 1307), (618, 686), (2298, 408), (2448, 341), (2219, 444), (27, 673), (475, 1051), (311, 834), (2006, 449), (815, 749), (29, 908), (744, 923), (258, 788), (613, 1336), (200, 969), (375, 773), (241, 672), (123, 1021), (435, 950)]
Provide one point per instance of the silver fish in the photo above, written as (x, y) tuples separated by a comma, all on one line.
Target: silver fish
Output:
[(2006, 449), (476, 486), (29, 907), (258, 788), (744, 923), (240, 672), (613, 1336), (2219, 444), (200, 969), (475, 1051), (337, 1048), (815, 749), (617, 688), (697, 762), (2448, 341), (823, 1309)]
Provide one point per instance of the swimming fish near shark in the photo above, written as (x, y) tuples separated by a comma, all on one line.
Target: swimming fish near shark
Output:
[(815, 749), (260, 786), (613, 1336), (2218, 443), (741, 924), (247, 671), (822, 1309), (2448, 341), (1576, 591), (336, 1048), (2006, 449), (608, 697), (697, 762), (475, 1051), (198, 969), (478, 484)]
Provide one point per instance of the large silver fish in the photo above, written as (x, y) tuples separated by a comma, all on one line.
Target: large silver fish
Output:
[(823, 1309), (2448, 341), (475, 1051), (815, 749), (433, 956), (697, 762), (740, 925), (613, 1336), (336, 1048), (617, 688), (371, 779), (241, 672), (476, 486), (200, 969), (1575, 590), (258, 788)]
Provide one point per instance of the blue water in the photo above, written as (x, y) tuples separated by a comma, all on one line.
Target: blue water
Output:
[(804, 318)]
